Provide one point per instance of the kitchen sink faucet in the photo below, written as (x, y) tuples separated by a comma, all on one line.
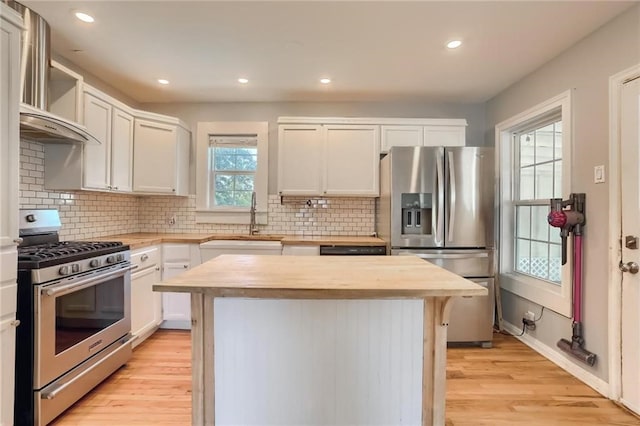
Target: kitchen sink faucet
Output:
[(252, 225)]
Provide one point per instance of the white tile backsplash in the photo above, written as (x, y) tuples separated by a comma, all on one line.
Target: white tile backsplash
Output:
[(85, 214)]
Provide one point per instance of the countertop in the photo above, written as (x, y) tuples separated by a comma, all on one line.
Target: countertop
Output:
[(143, 239), (321, 277)]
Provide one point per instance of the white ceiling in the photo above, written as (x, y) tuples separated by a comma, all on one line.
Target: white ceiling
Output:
[(372, 51)]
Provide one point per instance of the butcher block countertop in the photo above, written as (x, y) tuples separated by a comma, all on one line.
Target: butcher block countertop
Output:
[(321, 277), (143, 239)]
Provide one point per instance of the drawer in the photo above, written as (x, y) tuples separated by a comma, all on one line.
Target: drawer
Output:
[(176, 252), (146, 257)]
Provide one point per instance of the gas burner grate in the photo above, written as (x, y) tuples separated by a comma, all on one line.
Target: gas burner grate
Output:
[(31, 256)]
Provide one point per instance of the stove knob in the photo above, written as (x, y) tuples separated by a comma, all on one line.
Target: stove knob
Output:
[(64, 270), (75, 268), (94, 263), (120, 257), (111, 259)]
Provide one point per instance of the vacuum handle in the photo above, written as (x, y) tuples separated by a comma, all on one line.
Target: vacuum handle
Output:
[(564, 234)]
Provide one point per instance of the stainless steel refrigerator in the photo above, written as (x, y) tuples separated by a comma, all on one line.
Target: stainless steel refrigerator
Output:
[(438, 203)]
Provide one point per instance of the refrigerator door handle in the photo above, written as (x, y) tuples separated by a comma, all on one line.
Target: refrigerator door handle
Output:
[(440, 216), (451, 255), (452, 195)]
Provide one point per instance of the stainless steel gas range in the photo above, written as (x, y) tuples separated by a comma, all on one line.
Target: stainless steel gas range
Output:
[(75, 317)]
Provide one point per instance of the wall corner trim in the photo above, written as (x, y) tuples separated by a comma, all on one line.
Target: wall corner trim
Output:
[(599, 385)]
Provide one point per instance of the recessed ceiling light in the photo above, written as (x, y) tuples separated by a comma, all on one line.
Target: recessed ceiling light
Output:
[(325, 80), (163, 81), (84, 17), (243, 80), (454, 44)]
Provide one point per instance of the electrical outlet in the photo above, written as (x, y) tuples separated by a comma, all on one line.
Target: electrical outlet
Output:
[(172, 220), (529, 320)]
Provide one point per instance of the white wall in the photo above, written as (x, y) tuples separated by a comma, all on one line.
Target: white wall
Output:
[(585, 69)]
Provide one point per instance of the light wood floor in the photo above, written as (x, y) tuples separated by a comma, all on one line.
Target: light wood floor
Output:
[(507, 385)]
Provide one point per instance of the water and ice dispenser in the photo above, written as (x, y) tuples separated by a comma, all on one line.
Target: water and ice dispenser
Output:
[(417, 209)]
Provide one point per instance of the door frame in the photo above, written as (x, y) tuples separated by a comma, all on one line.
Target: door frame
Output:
[(614, 276)]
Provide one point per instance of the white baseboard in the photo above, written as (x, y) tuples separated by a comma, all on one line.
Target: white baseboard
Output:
[(176, 324), (560, 360), (632, 407)]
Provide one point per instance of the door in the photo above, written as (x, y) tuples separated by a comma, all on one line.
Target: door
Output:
[(97, 158), (176, 307), (417, 197), (78, 317), (629, 160), (469, 210), (154, 157), (299, 160), (122, 151), (352, 157), (143, 315), (400, 136)]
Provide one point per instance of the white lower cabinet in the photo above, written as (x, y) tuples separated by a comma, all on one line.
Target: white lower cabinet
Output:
[(10, 36), (7, 361), (146, 305), (176, 307), (293, 250)]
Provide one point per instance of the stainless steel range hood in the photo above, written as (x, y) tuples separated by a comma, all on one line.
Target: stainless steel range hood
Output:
[(36, 123)]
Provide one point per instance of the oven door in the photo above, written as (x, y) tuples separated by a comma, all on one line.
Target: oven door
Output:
[(77, 317)]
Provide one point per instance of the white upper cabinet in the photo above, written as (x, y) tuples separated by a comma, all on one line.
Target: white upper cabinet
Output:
[(161, 157), (121, 151), (102, 167), (351, 157), (444, 135), (300, 151), (423, 132), (97, 158), (400, 136), (328, 160)]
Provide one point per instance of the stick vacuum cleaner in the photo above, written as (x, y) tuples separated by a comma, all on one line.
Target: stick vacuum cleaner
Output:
[(569, 216)]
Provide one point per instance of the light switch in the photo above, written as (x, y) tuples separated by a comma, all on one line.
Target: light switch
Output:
[(598, 174)]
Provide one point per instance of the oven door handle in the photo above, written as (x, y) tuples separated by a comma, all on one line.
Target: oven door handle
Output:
[(82, 284)]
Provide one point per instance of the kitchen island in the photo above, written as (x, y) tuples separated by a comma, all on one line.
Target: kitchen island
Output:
[(336, 339)]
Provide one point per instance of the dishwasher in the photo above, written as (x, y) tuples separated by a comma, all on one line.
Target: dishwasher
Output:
[(354, 250)]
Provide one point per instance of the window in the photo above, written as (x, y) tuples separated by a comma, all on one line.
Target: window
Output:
[(233, 161), (231, 164), (534, 153), (538, 169)]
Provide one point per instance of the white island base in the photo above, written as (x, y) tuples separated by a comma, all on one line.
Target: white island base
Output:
[(345, 340), (318, 362)]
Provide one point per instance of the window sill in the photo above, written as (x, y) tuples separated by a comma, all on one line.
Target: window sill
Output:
[(551, 296), (229, 216)]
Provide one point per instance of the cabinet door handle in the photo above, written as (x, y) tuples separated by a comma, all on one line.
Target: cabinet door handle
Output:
[(158, 268), (173, 190), (15, 323), (144, 257), (185, 266), (18, 241)]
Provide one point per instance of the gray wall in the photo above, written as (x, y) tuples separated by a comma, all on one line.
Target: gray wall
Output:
[(585, 68), (192, 113)]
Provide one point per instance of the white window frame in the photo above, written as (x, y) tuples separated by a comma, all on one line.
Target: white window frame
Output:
[(552, 296), (231, 215)]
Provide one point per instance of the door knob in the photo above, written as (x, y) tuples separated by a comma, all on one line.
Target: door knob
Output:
[(631, 267)]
